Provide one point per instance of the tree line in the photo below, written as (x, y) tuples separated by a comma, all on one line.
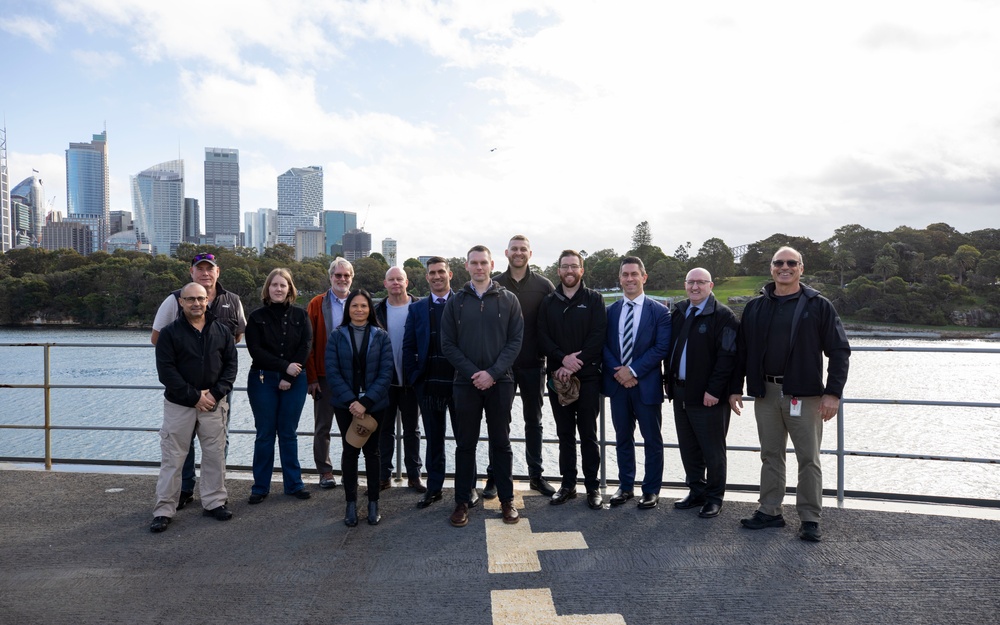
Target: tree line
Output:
[(928, 276)]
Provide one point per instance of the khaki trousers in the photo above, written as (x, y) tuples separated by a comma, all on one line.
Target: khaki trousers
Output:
[(179, 423), (774, 426)]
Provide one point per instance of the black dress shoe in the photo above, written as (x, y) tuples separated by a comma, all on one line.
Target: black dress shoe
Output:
[(648, 501), (710, 510), (220, 513), (351, 516), (185, 498), (429, 498), (594, 500), (490, 490), (541, 485), (256, 498), (373, 516), (300, 494), (562, 495), (620, 497), (691, 501), (474, 498), (809, 530), (159, 524)]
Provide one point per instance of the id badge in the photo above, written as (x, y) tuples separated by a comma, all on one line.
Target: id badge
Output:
[(796, 407)]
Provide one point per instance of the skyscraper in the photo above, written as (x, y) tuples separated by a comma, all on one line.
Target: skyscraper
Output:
[(192, 220), (300, 200), (88, 189), (5, 216), (357, 244), (158, 205), (222, 195), (261, 229), (30, 194), (389, 251), (335, 224)]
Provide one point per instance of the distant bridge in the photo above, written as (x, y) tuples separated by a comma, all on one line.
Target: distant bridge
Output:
[(739, 251)]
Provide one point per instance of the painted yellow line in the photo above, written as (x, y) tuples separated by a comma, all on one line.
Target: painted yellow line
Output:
[(535, 607), (514, 548)]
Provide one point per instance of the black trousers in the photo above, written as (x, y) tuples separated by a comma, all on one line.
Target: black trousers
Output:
[(432, 410), (403, 399), (350, 455), (470, 404), (701, 437), (580, 416)]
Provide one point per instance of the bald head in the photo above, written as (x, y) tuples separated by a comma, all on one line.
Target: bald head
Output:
[(698, 285), (395, 284)]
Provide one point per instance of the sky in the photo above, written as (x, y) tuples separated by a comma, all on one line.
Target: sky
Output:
[(449, 124)]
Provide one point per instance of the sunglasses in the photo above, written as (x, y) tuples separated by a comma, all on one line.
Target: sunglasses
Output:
[(782, 263), (201, 257)]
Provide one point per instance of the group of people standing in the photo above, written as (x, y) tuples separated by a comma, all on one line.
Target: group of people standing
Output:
[(465, 353)]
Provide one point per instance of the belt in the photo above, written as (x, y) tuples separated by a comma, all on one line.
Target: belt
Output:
[(775, 379)]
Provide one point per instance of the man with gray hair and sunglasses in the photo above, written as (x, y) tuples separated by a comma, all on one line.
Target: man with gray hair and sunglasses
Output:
[(783, 335)]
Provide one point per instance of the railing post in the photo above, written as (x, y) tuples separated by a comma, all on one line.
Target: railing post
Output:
[(840, 454), (604, 448), (48, 411), (399, 440)]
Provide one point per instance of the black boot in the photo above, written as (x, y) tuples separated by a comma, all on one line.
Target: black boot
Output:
[(373, 515), (351, 517)]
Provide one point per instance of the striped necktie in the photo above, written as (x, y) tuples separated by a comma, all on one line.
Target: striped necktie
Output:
[(627, 339)]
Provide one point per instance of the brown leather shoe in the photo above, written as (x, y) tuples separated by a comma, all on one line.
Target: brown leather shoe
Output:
[(385, 484), (510, 515), (460, 517), (417, 485)]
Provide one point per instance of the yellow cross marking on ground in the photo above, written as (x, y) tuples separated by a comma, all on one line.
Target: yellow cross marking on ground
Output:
[(535, 607), (514, 548), (494, 504)]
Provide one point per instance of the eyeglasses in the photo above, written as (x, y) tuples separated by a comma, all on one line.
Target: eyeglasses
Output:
[(697, 282), (782, 263), (342, 276), (191, 300), (569, 267), (201, 257)]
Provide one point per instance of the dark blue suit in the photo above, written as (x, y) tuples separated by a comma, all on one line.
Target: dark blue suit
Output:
[(642, 403), (416, 351)]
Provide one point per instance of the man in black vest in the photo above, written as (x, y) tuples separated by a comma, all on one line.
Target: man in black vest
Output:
[(701, 361)]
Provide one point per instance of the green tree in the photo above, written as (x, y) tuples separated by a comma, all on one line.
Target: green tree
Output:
[(683, 253), (842, 260), (413, 263), (885, 265), (965, 258), (377, 256), (715, 256), (642, 235)]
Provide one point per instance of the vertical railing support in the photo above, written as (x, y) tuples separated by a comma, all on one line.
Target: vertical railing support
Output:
[(48, 411), (840, 454), (604, 448)]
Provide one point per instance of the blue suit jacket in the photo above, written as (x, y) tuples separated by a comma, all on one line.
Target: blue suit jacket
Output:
[(652, 343), (417, 340)]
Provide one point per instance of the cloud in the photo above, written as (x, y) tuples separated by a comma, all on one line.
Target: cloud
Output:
[(38, 30), (51, 170), (99, 63), (284, 108)]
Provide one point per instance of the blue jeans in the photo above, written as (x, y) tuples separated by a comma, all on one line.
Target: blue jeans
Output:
[(187, 473), (276, 413)]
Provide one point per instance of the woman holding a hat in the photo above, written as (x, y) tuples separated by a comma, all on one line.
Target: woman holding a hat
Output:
[(359, 369), (279, 336)]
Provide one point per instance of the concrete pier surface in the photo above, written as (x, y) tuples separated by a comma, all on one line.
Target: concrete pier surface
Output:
[(75, 548)]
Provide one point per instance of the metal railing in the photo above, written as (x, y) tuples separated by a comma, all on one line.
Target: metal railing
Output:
[(840, 452)]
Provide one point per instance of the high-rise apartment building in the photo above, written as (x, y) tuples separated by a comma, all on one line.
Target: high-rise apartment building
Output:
[(335, 224), (192, 221), (68, 234), (158, 205), (121, 221), (88, 188), (389, 251), (300, 200), (222, 195), (309, 243), (357, 244)]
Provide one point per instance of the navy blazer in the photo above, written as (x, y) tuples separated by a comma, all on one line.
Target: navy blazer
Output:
[(340, 369), (652, 343), (417, 340)]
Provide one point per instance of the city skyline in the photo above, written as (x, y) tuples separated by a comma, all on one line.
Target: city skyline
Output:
[(569, 122)]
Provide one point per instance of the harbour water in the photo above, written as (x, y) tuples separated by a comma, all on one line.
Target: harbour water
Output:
[(926, 430)]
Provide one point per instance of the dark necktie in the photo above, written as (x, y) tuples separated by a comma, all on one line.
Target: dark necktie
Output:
[(682, 337), (628, 339)]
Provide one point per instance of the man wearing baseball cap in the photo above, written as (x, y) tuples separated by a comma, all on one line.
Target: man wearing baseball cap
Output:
[(222, 306)]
